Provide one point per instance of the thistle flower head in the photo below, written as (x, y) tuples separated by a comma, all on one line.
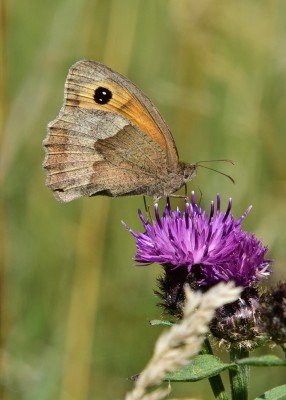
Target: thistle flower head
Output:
[(209, 247), (237, 323), (273, 313)]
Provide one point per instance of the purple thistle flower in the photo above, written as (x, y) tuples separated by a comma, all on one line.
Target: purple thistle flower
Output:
[(214, 244)]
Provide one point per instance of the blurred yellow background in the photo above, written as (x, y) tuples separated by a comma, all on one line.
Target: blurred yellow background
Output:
[(76, 309)]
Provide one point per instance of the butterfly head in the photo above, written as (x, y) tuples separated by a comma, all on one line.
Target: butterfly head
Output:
[(189, 171)]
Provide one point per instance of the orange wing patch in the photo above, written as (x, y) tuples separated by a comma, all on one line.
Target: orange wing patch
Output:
[(122, 103)]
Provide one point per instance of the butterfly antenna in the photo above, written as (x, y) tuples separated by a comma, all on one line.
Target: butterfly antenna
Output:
[(198, 164), (207, 161)]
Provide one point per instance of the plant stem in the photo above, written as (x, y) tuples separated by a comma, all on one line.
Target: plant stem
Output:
[(284, 349), (239, 378), (215, 381)]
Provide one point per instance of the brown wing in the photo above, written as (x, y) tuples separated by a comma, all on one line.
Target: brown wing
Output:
[(90, 153), (117, 148)]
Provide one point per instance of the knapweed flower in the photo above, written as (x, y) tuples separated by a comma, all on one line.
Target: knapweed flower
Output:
[(201, 249), (238, 323), (206, 247)]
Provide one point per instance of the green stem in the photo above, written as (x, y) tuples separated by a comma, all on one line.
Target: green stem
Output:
[(284, 349), (239, 377), (215, 381)]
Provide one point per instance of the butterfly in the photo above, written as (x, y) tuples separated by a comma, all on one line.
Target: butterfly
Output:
[(109, 139)]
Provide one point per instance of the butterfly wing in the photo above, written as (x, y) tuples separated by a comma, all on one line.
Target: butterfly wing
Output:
[(118, 147)]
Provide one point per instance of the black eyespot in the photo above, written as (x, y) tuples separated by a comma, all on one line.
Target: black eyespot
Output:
[(102, 95)]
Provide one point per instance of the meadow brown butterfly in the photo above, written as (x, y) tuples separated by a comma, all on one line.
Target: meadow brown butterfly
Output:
[(109, 139)]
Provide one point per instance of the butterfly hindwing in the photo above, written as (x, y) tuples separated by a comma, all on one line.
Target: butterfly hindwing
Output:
[(88, 153)]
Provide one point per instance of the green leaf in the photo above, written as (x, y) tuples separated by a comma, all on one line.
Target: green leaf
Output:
[(154, 322), (263, 361), (201, 367), (278, 393)]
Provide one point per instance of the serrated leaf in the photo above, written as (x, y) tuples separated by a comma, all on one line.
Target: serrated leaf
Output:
[(201, 367), (154, 322), (263, 361), (278, 393)]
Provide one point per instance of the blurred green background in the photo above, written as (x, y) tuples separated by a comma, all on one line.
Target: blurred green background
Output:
[(76, 309)]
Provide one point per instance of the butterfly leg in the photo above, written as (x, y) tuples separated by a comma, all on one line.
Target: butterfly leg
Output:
[(201, 197), (145, 204), (186, 190), (147, 209), (180, 196)]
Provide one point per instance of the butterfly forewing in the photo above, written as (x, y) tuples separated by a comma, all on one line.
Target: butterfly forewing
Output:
[(127, 100)]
